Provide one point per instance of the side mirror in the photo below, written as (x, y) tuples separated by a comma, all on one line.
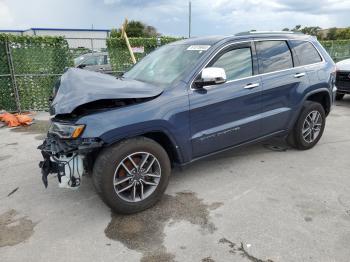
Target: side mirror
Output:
[(211, 76), (81, 66)]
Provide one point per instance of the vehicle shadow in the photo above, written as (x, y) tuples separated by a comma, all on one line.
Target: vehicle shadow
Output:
[(236, 154), (345, 102)]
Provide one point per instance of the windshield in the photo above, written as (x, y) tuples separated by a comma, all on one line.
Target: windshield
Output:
[(167, 63)]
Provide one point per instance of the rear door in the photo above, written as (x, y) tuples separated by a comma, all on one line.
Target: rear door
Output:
[(281, 83), (307, 56), (227, 114)]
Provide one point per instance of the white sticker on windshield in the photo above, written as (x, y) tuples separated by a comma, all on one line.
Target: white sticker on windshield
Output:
[(198, 47)]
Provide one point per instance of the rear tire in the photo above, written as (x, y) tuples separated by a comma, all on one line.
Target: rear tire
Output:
[(339, 96), (110, 170), (309, 127)]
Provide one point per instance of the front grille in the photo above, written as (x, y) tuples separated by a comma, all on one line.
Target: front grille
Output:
[(343, 79), (343, 76)]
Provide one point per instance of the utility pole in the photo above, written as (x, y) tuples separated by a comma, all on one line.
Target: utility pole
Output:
[(189, 19)]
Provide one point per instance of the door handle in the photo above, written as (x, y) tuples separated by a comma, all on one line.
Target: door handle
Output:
[(299, 75), (251, 86)]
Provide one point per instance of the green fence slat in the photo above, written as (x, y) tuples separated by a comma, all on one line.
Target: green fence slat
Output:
[(37, 62)]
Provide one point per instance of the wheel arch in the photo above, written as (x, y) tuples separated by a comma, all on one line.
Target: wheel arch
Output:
[(161, 136), (322, 97)]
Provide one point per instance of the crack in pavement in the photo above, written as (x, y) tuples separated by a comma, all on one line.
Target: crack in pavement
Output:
[(239, 249)]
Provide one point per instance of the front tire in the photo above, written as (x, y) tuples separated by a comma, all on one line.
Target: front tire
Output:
[(132, 175), (309, 127)]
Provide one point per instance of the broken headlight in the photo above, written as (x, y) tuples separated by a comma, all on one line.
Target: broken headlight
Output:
[(65, 130)]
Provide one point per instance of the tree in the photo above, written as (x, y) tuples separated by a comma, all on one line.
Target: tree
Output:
[(343, 33), (115, 33), (323, 34), (136, 29), (296, 28), (285, 29), (331, 35), (150, 31), (311, 30)]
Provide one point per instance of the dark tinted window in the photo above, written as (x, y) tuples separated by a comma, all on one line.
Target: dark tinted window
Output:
[(237, 63), (273, 56), (306, 52)]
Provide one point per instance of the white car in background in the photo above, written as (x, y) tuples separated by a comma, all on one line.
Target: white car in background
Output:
[(343, 78)]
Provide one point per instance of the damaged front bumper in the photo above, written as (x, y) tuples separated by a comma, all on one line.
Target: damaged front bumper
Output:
[(68, 158)]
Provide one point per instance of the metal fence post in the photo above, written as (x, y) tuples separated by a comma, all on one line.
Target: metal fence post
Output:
[(92, 45), (13, 77)]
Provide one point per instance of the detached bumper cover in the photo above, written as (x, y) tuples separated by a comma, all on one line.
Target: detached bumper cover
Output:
[(63, 156)]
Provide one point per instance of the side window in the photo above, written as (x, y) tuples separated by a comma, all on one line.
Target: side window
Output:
[(273, 56), (100, 60), (90, 61), (237, 63), (306, 52)]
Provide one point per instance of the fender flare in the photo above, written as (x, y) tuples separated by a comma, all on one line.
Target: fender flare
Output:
[(306, 96), (110, 140)]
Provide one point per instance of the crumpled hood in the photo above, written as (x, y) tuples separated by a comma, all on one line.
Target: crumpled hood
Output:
[(343, 65), (78, 87)]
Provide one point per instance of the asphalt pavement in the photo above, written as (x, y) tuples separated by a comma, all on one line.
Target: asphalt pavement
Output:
[(265, 202)]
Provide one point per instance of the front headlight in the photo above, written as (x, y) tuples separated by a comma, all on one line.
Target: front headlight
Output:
[(65, 130)]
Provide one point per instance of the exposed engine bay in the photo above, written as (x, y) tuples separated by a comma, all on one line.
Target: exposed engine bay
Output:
[(69, 159)]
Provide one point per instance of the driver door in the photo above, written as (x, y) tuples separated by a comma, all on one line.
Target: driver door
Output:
[(227, 114)]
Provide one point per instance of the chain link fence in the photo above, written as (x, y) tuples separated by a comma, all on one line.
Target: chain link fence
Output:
[(119, 54), (29, 66), (337, 49)]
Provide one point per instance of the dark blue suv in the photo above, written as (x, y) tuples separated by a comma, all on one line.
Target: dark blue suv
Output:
[(183, 102)]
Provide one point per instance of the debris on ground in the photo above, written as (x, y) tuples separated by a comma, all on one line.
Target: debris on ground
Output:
[(13, 120), (13, 191)]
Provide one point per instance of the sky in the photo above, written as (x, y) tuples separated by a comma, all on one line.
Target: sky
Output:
[(209, 17)]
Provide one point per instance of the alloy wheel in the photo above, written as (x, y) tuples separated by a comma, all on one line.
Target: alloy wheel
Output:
[(312, 126), (137, 176)]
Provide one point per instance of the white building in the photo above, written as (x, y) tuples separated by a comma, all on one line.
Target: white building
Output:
[(88, 38)]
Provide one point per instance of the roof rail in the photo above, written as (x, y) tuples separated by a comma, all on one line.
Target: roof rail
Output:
[(267, 32)]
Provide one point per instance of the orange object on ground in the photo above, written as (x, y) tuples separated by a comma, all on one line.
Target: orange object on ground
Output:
[(13, 120), (10, 119), (24, 119)]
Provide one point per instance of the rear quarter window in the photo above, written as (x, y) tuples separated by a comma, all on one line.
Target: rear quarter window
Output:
[(273, 56), (306, 53)]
